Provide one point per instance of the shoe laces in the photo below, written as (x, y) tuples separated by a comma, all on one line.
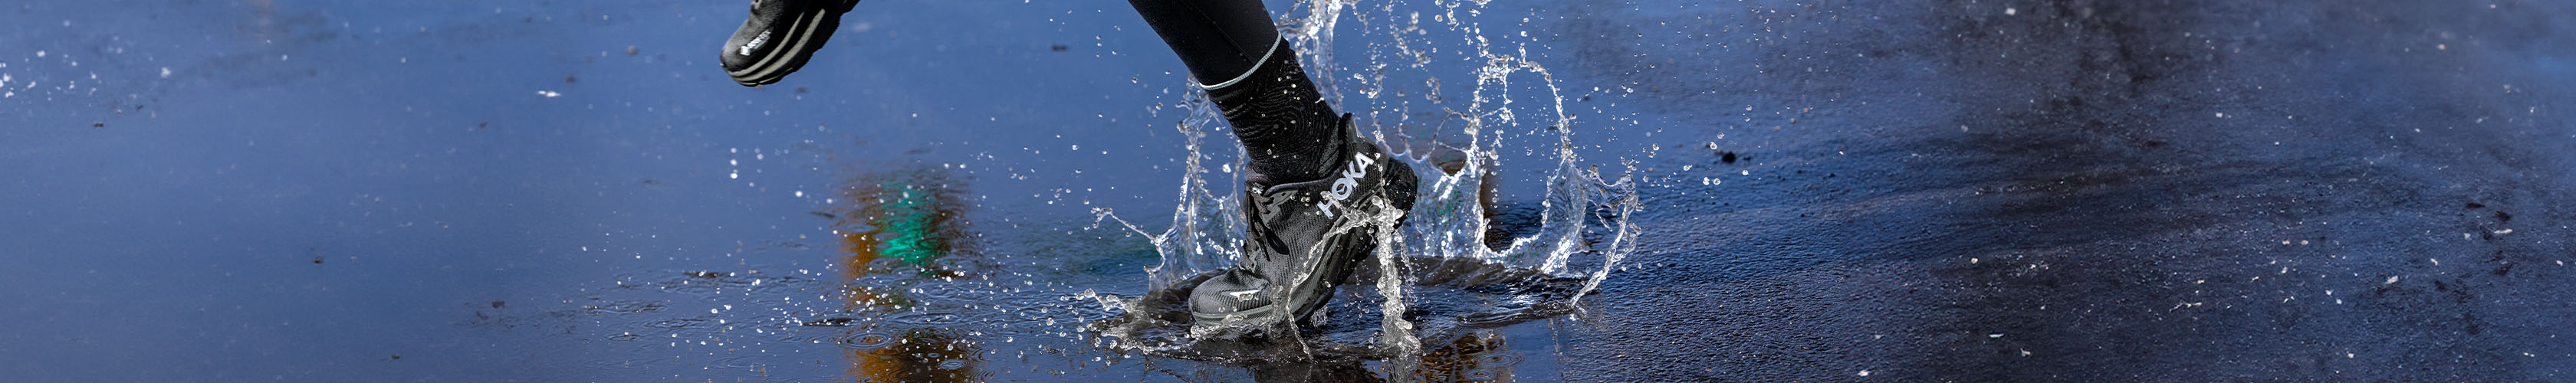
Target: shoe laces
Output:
[(1259, 229)]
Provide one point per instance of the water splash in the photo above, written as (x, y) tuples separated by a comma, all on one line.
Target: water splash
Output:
[(1579, 208), (1443, 250), (1208, 224)]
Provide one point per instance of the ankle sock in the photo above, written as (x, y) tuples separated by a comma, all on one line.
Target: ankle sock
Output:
[(1287, 131)]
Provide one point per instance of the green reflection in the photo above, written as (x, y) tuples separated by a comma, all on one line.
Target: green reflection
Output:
[(891, 221)]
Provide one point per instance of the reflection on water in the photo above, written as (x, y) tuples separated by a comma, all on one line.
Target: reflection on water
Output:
[(913, 355), (1478, 357), (901, 219), (898, 228)]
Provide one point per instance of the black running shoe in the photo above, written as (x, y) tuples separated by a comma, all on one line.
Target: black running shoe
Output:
[(778, 38), (1305, 237)]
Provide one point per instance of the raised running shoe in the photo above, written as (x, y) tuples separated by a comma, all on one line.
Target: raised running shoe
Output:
[(779, 37), (1304, 238)]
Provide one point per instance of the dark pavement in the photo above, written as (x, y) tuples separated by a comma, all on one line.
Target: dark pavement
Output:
[(2098, 191)]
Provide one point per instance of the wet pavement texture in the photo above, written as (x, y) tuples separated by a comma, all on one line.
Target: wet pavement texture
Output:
[(1927, 191)]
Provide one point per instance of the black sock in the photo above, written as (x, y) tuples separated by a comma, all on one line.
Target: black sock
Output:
[(1288, 133)]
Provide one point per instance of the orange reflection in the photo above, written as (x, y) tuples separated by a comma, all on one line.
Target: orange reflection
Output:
[(916, 355), (898, 220), (1478, 357), (901, 223)]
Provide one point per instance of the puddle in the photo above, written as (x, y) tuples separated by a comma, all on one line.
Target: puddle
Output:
[(929, 283)]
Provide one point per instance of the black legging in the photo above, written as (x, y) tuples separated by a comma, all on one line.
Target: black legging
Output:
[(1215, 38), (1286, 129)]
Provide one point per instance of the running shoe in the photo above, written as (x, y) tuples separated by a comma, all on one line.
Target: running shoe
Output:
[(1304, 238), (779, 37)]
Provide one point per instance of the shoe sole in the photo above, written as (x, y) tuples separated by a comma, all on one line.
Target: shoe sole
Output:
[(1238, 324), (803, 37)]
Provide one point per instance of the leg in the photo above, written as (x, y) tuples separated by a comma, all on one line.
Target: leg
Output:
[(1255, 79), (1216, 39)]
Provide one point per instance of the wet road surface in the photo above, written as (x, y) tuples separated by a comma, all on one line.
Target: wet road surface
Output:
[(1936, 191), (2100, 191)]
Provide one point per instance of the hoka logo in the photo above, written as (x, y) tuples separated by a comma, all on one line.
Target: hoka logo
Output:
[(755, 43), (1349, 183)]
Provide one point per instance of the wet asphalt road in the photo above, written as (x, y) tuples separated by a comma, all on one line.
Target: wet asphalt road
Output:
[(2100, 191), (1930, 191)]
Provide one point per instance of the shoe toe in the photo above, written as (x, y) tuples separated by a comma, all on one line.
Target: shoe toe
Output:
[(734, 57), (749, 47), (1227, 294)]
